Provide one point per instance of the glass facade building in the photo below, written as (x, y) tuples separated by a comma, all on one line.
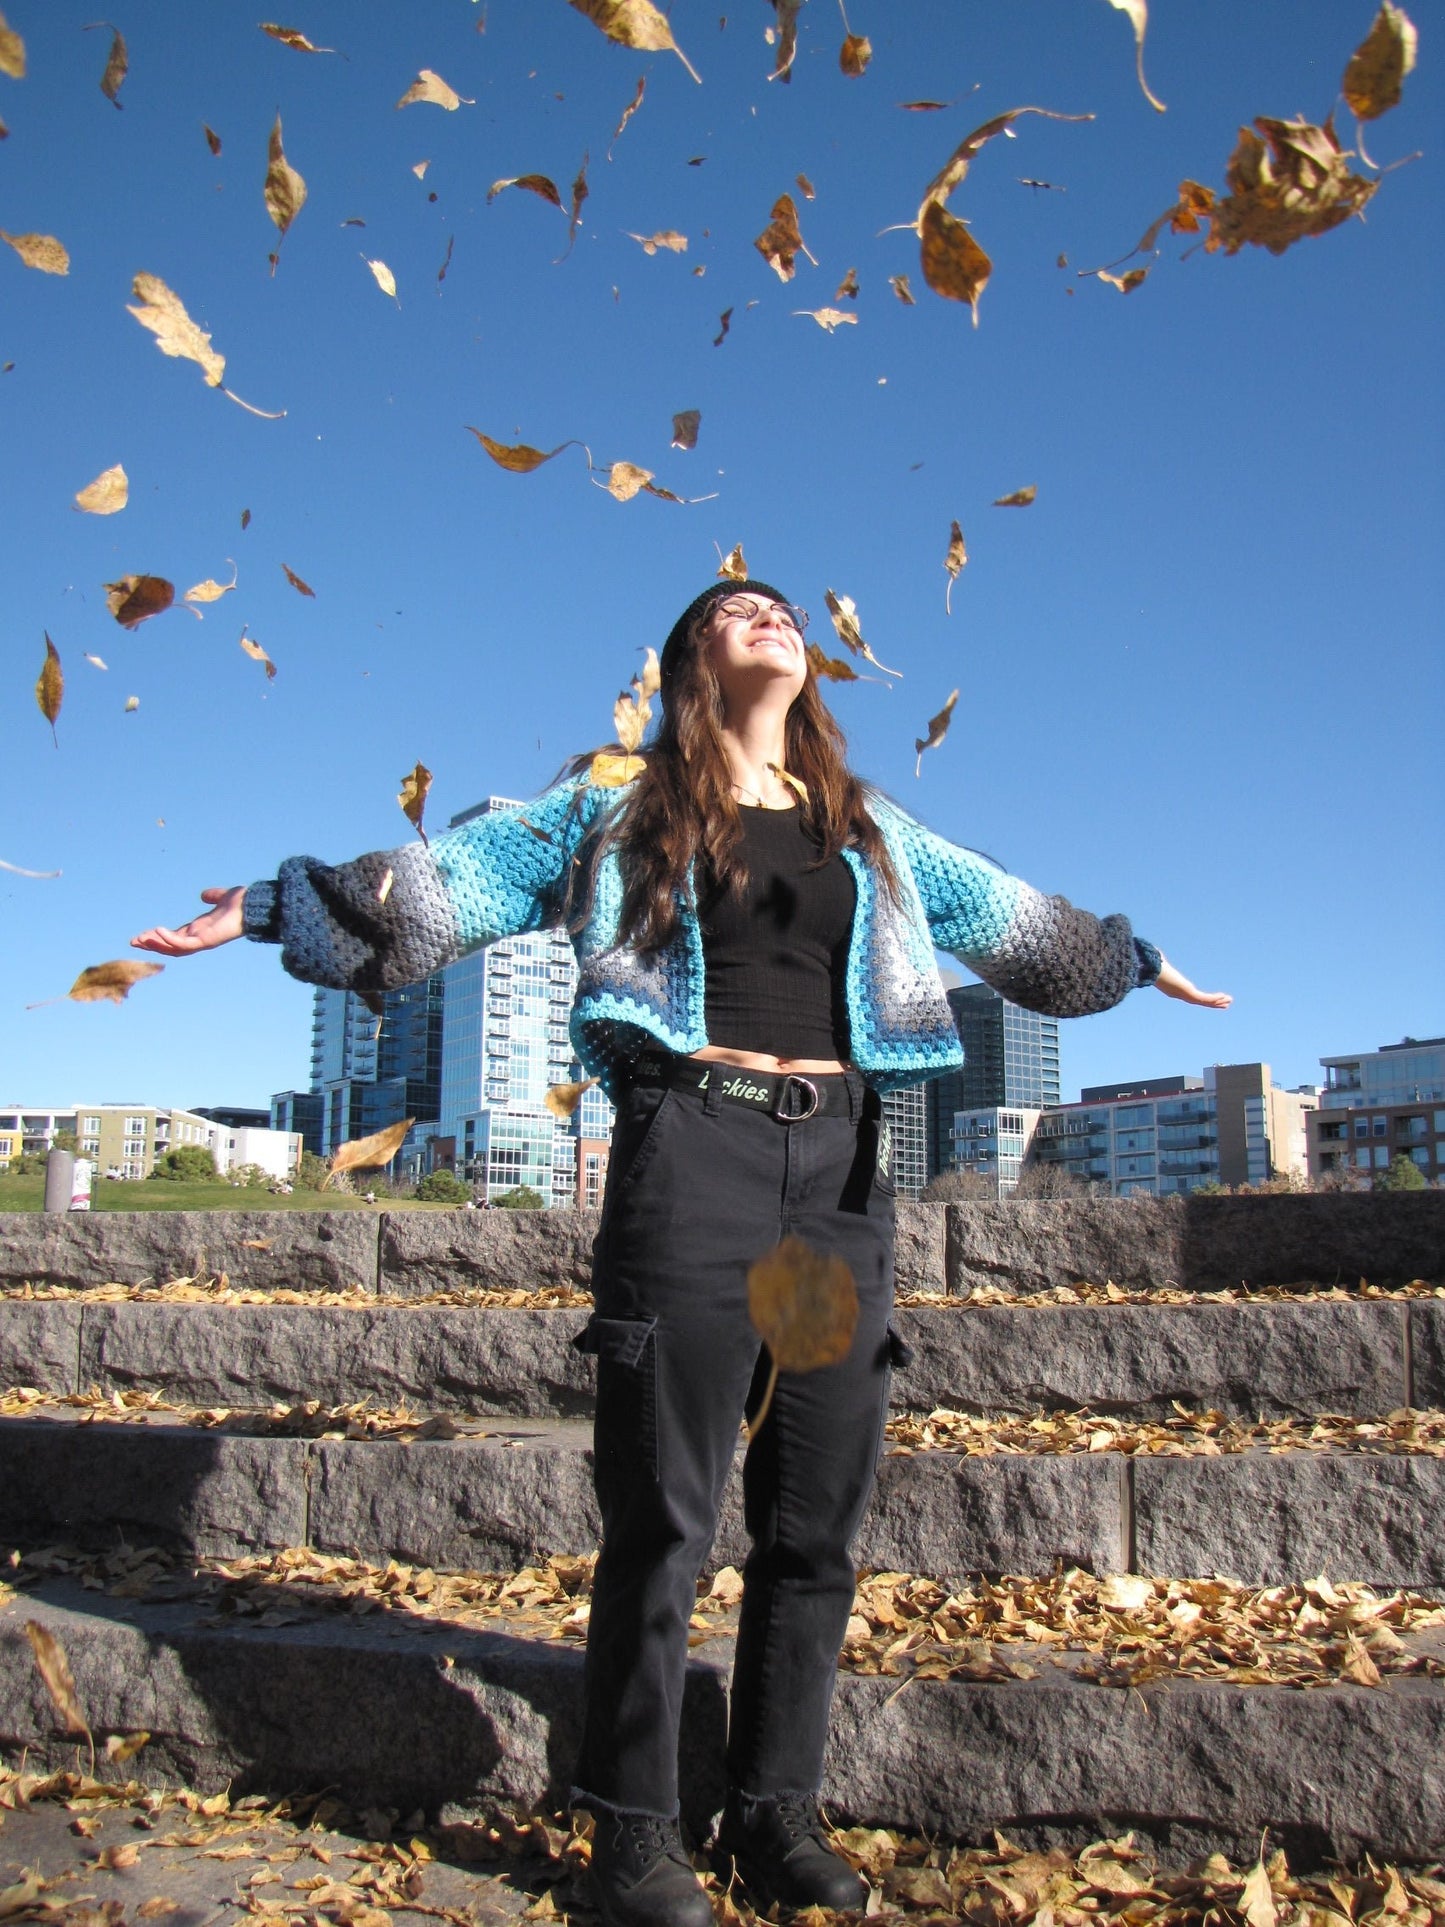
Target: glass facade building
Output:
[(906, 1113), (1379, 1105), (1010, 1057)]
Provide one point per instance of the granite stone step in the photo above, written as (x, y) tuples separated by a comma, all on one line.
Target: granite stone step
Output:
[(523, 1490), (392, 1711), (1361, 1357)]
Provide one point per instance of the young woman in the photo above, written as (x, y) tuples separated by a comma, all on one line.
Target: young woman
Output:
[(755, 933)]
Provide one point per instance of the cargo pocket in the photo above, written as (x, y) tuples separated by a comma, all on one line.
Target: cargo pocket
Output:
[(900, 1352), (625, 1429)]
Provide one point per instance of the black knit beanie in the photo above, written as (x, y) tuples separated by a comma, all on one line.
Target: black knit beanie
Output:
[(714, 592)]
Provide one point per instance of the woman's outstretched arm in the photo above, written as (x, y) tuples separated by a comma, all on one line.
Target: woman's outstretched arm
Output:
[(206, 932), (1175, 984)]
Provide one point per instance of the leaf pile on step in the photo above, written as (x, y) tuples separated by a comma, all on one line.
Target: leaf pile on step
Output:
[(306, 1419), (1187, 1435), (220, 1291), (1111, 1294)]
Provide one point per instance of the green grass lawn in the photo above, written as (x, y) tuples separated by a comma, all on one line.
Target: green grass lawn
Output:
[(146, 1194)]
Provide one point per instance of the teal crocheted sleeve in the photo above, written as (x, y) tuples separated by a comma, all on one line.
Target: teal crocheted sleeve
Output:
[(394, 916), (1036, 950)]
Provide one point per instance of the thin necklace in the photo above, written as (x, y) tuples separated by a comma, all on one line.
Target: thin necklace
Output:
[(743, 793)]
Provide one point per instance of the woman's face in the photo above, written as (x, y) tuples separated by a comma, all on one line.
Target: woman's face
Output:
[(754, 642)]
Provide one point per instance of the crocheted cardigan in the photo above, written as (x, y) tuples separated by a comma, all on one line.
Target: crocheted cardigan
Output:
[(504, 873)]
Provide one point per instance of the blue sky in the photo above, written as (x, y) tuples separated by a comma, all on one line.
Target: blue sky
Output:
[(1200, 678)]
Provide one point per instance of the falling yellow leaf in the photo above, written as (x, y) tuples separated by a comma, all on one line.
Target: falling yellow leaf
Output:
[(628, 111), (420, 168), (635, 23), (787, 39), (804, 1306), (844, 613), (1377, 68), (12, 52), (684, 428), (534, 184), (1290, 183), (733, 566), (117, 64), (210, 590), (562, 1099), (134, 598), (626, 479), (107, 494), (780, 242), (122, 1747), (954, 561), (433, 89), (97, 661), (827, 318), (832, 668), (856, 52), (368, 1153), (1138, 12), (132, 703), (289, 37), (50, 688), (1125, 283), (668, 238), (285, 190), (175, 332), (631, 714), (848, 287), (111, 982), (415, 788), (937, 730), (955, 168), (520, 459), (899, 285), (954, 265), (258, 654), (302, 588), (40, 251), (1021, 498), (382, 275), (213, 139), (805, 187), (50, 1656), (609, 771)]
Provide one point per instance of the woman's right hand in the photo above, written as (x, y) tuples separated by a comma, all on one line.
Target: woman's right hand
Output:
[(207, 932)]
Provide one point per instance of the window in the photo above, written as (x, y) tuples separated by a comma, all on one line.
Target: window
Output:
[(1382, 1157), (1362, 1127), (1381, 1125), (1420, 1153), (1410, 1127), (92, 1125), (1362, 1158)]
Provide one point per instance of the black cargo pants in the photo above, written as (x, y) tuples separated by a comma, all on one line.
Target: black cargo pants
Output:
[(697, 1188)]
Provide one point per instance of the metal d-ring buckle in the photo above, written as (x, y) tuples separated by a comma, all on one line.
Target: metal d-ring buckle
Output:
[(795, 1117)]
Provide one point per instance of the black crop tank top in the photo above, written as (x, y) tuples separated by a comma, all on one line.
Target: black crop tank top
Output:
[(776, 958)]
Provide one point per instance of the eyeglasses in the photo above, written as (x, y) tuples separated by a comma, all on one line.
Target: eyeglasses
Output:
[(742, 608)]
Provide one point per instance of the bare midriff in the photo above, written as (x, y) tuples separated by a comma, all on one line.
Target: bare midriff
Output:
[(754, 1060)]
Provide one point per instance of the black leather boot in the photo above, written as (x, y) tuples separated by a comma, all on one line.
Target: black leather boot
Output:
[(641, 1875), (781, 1853)]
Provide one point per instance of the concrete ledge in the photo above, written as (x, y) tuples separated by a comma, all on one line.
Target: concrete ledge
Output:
[(39, 1343), (1427, 1353), (1266, 1517), (427, 1251), (406, 1714), (266, 1250)]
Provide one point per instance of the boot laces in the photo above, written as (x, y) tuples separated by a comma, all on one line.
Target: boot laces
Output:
[(798, 1817), (651, 1838)]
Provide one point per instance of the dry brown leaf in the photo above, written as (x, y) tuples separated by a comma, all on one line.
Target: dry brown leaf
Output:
[(301, 588), (135, 598), (1021, 498), (369, 1153), (956, 166), (685, 425), (258, 654), (290, 37), (924, 106), (107, 494), (844, 613), (1358, 1665), (157, 1906), (419, 168), (50, 688), (628, 111), (580, 192), (433, 90), (1125, 283), (1125, 1592), (12, 52), (937, 730), (609, 771), (733, 566), (668, 238), (780, 242), (1377, 68), (40, 251), (382, 275), (412, 796), (787, 39), (121, 1747), (132, 703), (854, 55), (562, 1099), (631, 714), (954, 561), (447, 260), (54, 1668), (847, 289), (245, 519), (954, 265), (831, 668), (210, 590), (1256, 1902), (635, 23), (519, 459), (534, 184), (804, 1305), (1286, 181), (726, 320), (1138, 12), (285, 190), (626, 479), (827, 318), (175, 332), (117, 63), (805, 187), (24, 1897), (899, 285), (96, 660), (213, 139), (111, 982)]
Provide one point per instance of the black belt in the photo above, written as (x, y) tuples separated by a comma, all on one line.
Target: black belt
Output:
[(785, 1095)]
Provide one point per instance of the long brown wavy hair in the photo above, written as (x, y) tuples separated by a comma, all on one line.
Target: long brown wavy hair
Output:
[(682, 804)]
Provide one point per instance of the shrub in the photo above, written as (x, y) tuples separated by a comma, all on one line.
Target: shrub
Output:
[(442, 1187), (186, 1164), (1403, 1175), (521, 1197)]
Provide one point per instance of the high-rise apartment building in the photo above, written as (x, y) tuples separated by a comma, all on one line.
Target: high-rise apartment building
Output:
[(906, 1114), (1010, 1057), (1380, 1105)]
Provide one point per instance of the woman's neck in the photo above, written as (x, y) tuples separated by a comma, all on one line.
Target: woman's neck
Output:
[(756, 745)]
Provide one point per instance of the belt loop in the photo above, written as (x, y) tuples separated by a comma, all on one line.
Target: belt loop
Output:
[(855, 1094), (712, 1100)]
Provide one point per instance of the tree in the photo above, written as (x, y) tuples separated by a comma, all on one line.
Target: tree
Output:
[(311, 1172), (521, 1197), (186, 1164), (957, 1187), (251, 1177), (1403, 1175), (442, 1187), (65, 1141), (1040, 1180)]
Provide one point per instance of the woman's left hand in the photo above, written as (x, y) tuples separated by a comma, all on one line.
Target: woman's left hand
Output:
[(1175, 984)]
